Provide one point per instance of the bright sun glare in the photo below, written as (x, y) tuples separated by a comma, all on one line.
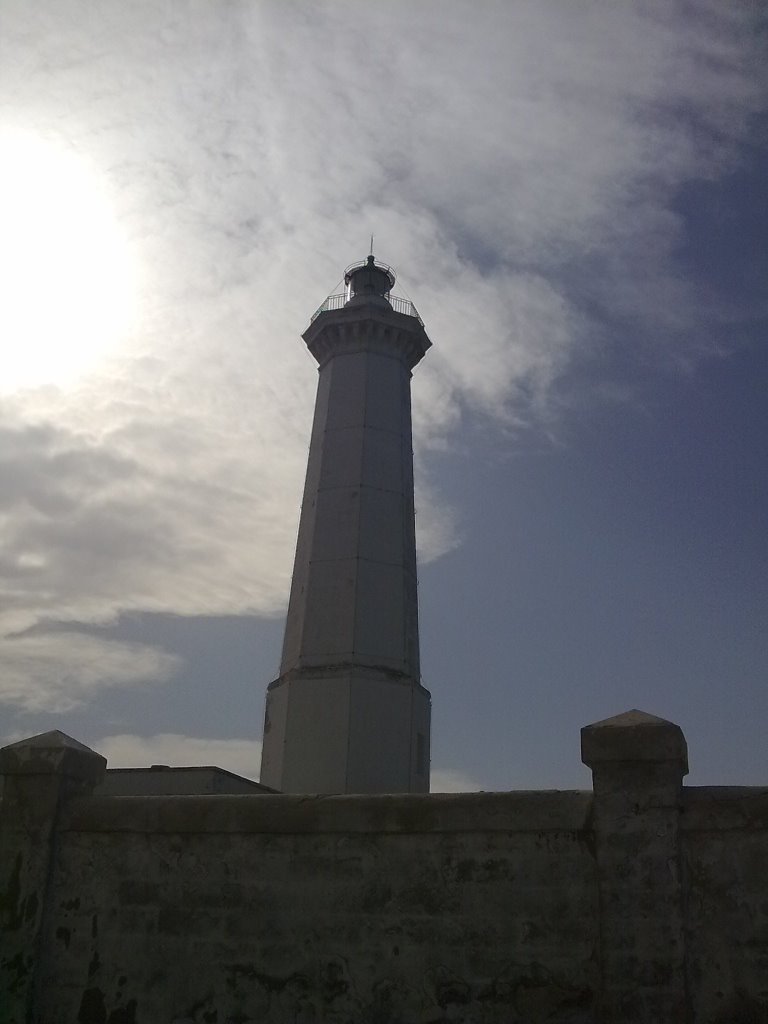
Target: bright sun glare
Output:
[(67, 280)]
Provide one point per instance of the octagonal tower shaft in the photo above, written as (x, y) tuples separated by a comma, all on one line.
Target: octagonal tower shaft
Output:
[(347, 713)]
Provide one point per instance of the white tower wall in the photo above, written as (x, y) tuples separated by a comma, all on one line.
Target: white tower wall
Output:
[(347, 713)]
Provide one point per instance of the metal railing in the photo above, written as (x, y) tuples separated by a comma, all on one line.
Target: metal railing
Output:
[(401, 305), (332, 302), (364, 263), (339, 300)]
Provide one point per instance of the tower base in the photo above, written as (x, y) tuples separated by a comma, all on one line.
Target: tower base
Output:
[(346, 729)]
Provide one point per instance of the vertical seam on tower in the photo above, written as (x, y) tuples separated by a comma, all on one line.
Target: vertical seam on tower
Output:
[(358, 561), (408, 512), (411, 755), (349, 732)]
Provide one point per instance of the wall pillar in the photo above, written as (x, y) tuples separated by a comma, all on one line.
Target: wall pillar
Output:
[(638, 762), (38, 775)]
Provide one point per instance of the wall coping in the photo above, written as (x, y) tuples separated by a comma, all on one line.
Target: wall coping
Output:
[(724, 808), (704, 808), (544, 811), (634, 737), (52, 753)]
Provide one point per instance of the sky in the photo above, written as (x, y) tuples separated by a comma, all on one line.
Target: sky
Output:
[(574, 197)]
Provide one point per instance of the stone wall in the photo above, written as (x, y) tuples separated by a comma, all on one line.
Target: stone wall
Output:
[(641, 902), (725, 882)]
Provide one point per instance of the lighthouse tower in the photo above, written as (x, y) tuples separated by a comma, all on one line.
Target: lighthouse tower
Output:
[(347, 714)]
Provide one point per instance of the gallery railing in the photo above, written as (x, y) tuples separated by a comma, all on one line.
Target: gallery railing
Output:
[(339, 300)]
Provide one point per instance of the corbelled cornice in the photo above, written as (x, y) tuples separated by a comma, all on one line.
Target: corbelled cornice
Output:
[(366, 328)]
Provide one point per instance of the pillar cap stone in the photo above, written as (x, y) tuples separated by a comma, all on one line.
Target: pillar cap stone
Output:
[(633, 736), (52, 753)]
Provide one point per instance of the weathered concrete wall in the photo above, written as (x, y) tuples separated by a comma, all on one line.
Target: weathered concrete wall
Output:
[(725, 864), (39, 777), (287, 909), (640, 902), (638, 763)]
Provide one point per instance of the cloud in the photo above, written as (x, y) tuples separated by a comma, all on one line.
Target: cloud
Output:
[(520, 162), (56, 672), (92, 528), (452, 780)]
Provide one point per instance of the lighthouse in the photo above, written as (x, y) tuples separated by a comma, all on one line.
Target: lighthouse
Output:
[(348, 713)]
